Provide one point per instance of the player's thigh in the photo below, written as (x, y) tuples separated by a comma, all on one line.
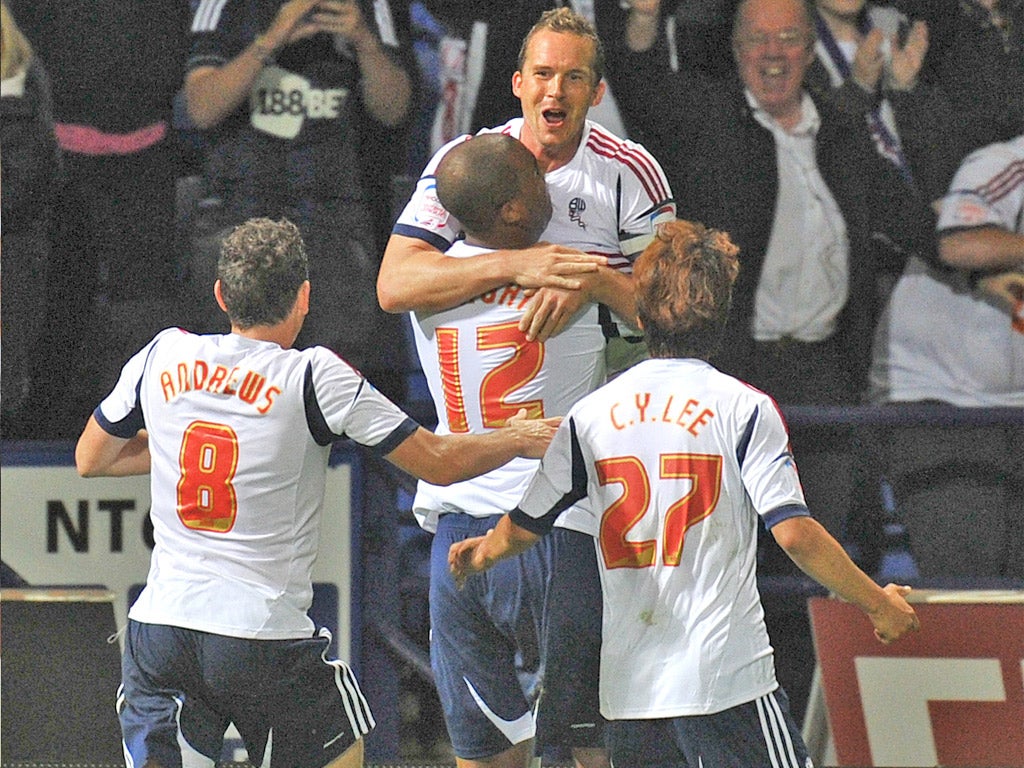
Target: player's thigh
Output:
[(165, 716), (293, 704), (758, 734), (568, 712), (476, 633)]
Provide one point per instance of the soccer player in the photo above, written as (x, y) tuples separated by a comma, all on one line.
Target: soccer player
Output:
[(480, 366), (607, 195), (235, 430), (678, 463)]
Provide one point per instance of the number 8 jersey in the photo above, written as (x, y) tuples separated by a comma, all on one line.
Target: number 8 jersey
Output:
[(240, 433), (481, 370), (678, 463)]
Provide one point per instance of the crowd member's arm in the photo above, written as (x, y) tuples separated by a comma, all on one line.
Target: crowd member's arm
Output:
[(989, 247), (416, 276), (213, 93), (386, 86), (447, 459), (822, 558), (100, 454), (642, 24)]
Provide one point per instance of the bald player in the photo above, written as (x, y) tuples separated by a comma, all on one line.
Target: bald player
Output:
[(480, 366)]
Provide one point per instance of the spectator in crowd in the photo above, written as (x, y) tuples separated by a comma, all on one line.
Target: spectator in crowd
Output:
[(31, 174), (607, 195), (687, 669), (869, 58), (954, 335), (304, 105), (492, 33), (113, 278), (800, 189), (975, 58), (235, 431), (478, 364)]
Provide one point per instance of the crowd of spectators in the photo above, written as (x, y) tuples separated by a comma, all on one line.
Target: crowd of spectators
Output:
[(135, 135)]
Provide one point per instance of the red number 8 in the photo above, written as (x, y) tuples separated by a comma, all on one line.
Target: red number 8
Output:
[(208, 460)]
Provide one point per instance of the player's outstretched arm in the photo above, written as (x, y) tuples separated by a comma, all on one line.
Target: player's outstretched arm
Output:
[(100, 454), (477, 554), (822, 558), (447, 459), (415, 276)]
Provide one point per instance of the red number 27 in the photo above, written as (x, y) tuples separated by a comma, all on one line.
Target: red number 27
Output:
[(704, 471)]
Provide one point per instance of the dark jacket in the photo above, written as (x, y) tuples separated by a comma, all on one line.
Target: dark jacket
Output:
[(721, 164), (30, 156)]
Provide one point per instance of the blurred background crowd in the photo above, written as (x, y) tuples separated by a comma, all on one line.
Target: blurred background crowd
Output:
[(135, 134)]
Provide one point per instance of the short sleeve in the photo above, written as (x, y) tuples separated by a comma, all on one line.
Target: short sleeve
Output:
[(986, 191), (423, 216), (343, 403), (768, 468)]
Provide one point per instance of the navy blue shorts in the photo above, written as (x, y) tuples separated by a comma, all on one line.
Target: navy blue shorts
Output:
[(484, 646), (292, 706), (758, 734), (568, 709)]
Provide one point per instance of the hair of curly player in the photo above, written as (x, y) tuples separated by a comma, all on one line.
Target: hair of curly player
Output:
[(262, 264), (684, 281)]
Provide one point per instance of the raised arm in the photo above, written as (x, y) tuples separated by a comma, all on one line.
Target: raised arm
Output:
[(213, 93), (822, 558), (385, 84)]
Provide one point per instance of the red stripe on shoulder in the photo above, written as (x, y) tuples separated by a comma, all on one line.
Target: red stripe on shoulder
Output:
[(634, 157)]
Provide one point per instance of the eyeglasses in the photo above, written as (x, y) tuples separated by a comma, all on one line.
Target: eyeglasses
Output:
[(787, 38)]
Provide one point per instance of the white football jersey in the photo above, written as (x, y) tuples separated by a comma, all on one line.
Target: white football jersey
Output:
[(239, 434), (605, 201), (679, 463), (941, 339), (481, 370)]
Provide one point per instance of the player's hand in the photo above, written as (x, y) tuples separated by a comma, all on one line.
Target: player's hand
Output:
[(464, 559), (906, 61), (552, 266), (894, 617), (869, 61), (549, 310), (532, 435)]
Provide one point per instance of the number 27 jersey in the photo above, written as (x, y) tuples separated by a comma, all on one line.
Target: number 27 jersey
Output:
[(678, 462)]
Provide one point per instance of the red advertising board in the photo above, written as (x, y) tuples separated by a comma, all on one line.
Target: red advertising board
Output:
[(950, 695)]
